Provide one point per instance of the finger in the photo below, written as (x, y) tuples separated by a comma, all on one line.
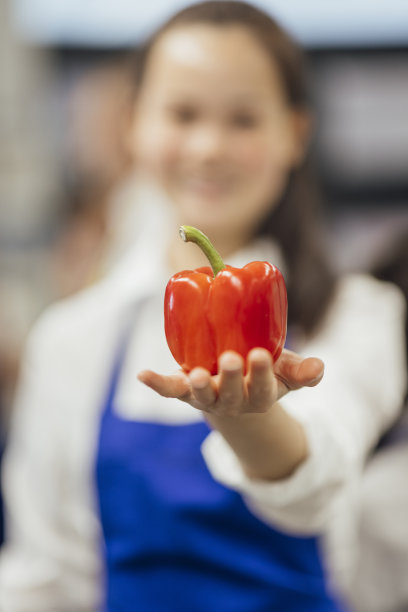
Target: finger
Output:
[(262, 384), (311, 371), (293, 371), (176, 385), (203, 387), (231, 383)]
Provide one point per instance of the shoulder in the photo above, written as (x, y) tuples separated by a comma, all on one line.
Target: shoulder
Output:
[(67, 361), (362, 341), (75, 325), (363, 333), (360, 298), (359, 288), (89, 322), (74, 340)]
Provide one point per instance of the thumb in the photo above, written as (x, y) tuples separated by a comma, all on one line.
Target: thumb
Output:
[(294, 371)]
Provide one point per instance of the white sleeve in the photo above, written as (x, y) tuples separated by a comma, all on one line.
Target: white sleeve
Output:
[(362, 345), (46, 564)]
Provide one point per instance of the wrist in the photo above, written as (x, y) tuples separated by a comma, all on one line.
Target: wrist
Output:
[(270, 445)]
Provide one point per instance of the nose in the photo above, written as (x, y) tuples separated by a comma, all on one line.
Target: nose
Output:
[(208, 142)]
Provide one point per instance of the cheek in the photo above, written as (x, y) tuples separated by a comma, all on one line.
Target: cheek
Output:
[(270, 148), (167, 153), (156, 148), (266, 168), (260, 161), (255, 159), (271, 154)]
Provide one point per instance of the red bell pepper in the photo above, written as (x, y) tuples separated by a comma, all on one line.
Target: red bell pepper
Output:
[(208, 311)]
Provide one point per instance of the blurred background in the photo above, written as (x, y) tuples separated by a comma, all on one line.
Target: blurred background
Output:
[(65, 171)]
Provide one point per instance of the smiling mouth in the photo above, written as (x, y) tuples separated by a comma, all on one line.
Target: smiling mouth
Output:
[(208, 187)]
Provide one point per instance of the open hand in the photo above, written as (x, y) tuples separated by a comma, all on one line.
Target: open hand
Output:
[(233, 393)]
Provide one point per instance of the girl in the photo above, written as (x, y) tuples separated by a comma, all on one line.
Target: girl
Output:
[(231, 494)]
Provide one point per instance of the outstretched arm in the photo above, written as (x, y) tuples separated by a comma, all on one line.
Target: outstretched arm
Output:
[(245, 409)]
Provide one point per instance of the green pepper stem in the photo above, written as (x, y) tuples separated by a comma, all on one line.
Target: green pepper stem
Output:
[(191, 234)]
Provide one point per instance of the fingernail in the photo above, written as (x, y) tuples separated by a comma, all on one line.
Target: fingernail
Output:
[(230, 362), (260, 354), (198, 380), (316, 380)]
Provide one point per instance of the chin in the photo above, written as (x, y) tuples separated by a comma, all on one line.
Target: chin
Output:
[(208, 225), (210, 215)]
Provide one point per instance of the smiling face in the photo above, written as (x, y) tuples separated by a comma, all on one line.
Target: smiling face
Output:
[(213, 128)]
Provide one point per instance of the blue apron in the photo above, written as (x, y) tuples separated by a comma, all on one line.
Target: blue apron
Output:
[(175, 540)]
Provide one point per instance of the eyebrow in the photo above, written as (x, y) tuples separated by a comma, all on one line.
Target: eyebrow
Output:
[(188, 98)]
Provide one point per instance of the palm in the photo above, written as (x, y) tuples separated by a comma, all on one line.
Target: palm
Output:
[(231, 392)]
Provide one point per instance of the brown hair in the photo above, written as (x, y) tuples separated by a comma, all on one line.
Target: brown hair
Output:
[(295, 223)]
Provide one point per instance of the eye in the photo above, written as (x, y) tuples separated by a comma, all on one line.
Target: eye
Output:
[(183, 114), (244, 120)]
